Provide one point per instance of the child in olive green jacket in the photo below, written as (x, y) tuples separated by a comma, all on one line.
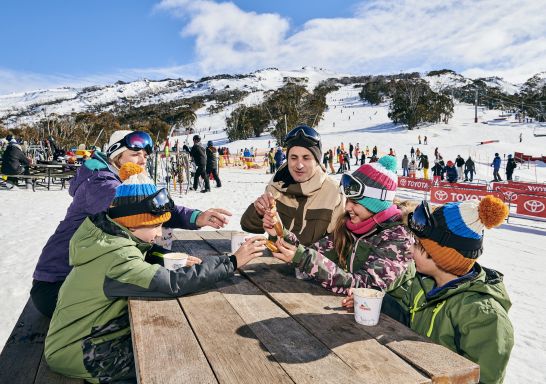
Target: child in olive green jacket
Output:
[(452, 299)]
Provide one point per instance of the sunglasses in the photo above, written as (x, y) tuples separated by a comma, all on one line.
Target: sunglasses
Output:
[(426, 225), (156, 204), (305, 131), (135, 141), (355, 189)]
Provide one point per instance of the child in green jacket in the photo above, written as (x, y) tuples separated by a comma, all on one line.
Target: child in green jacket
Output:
[(452, 299), (89, 335)]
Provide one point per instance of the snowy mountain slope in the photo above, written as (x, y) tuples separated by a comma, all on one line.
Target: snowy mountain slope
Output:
[(30, 107)]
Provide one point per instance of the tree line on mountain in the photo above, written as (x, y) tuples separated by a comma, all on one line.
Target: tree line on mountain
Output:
[(98, 123), (280, 110), (411, 100)]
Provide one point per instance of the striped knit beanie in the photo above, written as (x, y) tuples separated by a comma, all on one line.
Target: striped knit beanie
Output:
[(466, 220), (382, 175), (136, 187)]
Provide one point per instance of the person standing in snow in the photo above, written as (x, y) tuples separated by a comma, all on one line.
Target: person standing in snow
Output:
[(271, 159), (459, 161), (212, 163), (451, 172), (510, 166), (199, 156), (93, 189), (437, 171), (331, 161), (496, 167), (412, 169), (424, 164), (452, 299), (412, 152), (351, 149), (346, 161), (469, 168), (279, 158), (405, 166), (308, 201)]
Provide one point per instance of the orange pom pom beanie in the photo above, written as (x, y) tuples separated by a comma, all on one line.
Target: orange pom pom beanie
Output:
[(135, 188), (465, 220)]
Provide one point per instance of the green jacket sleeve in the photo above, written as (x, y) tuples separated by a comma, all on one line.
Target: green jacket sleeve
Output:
[(486, 336)]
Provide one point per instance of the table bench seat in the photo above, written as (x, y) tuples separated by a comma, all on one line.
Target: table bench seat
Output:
[(22, 360)]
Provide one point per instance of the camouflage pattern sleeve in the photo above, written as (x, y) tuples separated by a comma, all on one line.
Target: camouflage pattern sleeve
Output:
[(318, 263), (389, 259)]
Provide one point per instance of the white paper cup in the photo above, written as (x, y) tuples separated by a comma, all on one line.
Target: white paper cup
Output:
[(367, 305), (238, 239), (175, 260)]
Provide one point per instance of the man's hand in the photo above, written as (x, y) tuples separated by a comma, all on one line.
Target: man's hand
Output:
[(213, 217), (263, 203)]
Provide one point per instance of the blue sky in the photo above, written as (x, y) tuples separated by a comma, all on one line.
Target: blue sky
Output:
[(55, 43)]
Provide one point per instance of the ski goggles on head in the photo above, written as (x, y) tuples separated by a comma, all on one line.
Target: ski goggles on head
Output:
[(421, 221), (135, 141), (426, 225), (355, 189), (305, 131), (156, 204)]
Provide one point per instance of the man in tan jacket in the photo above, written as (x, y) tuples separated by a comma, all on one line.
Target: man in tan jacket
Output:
[(308, 201)]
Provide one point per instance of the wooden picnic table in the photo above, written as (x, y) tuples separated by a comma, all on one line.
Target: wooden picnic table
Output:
[(266, 326), (52, 171)]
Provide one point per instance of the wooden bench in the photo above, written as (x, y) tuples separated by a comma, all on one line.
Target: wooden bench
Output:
[(266, 326), (22, 359)]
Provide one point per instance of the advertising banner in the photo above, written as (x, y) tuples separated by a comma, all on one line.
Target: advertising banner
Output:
[(481, 187), (531, 205), (412, 183), (511, 194), (442, 195), (531, 187)]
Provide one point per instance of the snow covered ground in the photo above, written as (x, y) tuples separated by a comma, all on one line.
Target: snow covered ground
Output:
[(517, 249)]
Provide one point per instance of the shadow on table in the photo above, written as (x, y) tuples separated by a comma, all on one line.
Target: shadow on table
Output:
[(287, 343)]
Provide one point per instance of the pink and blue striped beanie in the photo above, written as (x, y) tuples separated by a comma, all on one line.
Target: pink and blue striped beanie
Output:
[(382, 175)]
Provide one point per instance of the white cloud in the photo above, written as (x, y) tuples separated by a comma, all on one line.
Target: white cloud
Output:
[(475, 37), (491, 37)]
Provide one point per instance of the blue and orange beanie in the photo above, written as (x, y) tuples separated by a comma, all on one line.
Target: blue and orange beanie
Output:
[(136, 187), (467, 220)]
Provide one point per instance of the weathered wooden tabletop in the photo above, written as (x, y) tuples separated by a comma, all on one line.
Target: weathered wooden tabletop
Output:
[(265, 326)]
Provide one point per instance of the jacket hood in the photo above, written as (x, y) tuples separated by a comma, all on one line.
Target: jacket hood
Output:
[(488, 282), (97, 236), (96, 167)]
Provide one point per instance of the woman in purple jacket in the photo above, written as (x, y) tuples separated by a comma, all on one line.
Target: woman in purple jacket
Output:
[(93, 189)]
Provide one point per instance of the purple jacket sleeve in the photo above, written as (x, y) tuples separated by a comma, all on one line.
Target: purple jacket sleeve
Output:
[(183, 218)]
